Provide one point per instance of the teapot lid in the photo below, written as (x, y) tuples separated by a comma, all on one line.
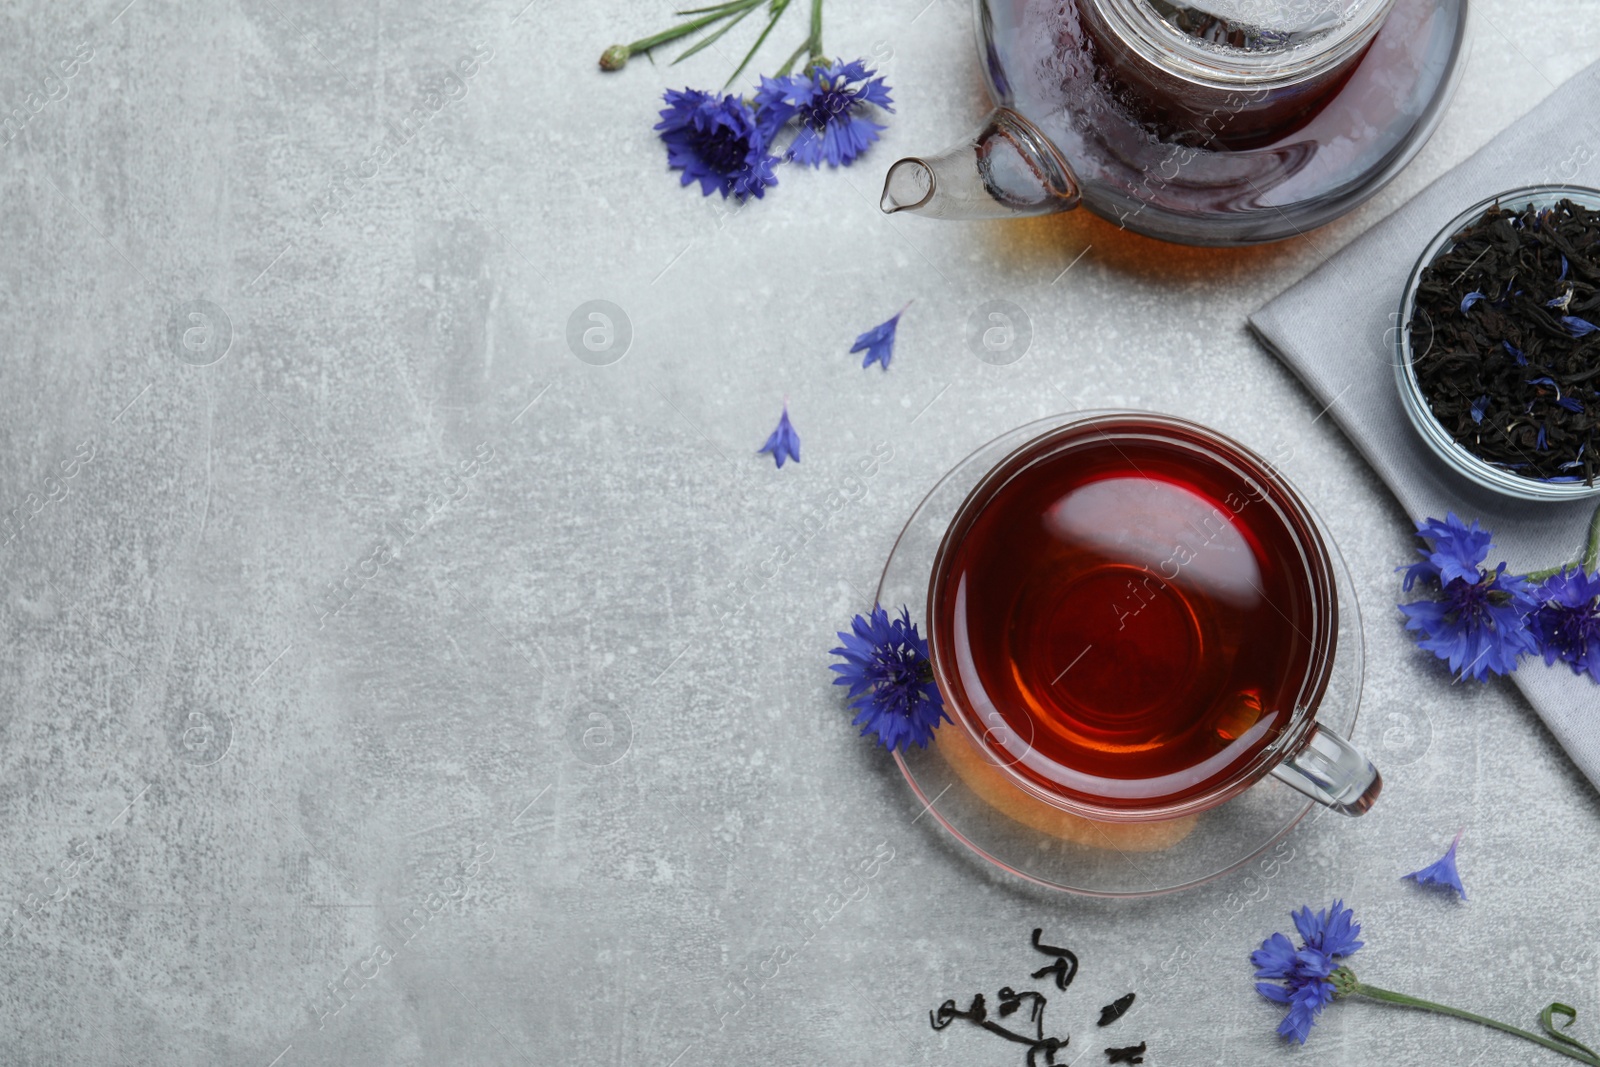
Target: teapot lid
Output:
[(1246, 43)]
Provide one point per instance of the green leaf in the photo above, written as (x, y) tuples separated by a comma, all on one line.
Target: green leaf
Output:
[(778, 8), (1568, 1012), (712, 38), (645, 44), (729, 6)]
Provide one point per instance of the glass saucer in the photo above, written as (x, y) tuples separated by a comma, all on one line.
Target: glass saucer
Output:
[(991, 816)]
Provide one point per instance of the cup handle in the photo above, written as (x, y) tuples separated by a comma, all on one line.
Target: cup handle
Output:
[(1332, 771)]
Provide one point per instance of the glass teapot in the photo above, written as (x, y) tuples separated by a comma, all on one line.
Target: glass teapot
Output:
[(1213, 122)]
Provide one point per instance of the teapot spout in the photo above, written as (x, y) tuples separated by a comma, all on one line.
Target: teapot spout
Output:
[(1007, 168)]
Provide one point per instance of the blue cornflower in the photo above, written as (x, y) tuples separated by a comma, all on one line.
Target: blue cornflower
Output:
[(1314, 975), (1578, 327), (1476, 618), (1470, 299), (878, 342), (1566, 623), (1326, 937), (783, 442), (1479, 407), (1515, 353), (891, 681), (828, 100), (717, 142), (1442, 872)]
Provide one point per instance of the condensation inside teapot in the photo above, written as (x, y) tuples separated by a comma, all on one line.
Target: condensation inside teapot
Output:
[(1257, 25)]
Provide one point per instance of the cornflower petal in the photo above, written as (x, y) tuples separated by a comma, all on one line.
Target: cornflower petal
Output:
[(1442, 871), (783, 443), (878, 342)]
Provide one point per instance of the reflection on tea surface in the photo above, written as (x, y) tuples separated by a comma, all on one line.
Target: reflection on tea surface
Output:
[(1130, 620)]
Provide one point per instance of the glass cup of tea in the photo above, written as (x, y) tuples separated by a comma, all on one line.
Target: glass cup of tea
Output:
[(1133, 618)]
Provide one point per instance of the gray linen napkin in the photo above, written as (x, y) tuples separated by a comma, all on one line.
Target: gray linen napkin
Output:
[(1335, 329)]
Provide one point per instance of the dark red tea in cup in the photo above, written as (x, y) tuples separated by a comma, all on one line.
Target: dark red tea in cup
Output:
[(1134, 615)]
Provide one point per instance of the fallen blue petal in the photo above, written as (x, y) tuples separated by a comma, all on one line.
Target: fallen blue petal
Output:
[(1516, 353), (1479, 406), (1443, 872), (1578, 327), (878, 342), (784, 442), (1470, 299)]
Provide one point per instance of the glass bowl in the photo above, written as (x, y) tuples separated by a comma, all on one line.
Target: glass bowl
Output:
[(1457, 456), (1021, 834)]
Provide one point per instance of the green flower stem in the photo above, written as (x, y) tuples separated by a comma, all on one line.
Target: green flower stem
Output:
[(788, 64), (1591, 554), (1389, 997)]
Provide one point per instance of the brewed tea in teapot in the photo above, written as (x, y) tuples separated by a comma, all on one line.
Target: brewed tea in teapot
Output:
[(1218, 122)]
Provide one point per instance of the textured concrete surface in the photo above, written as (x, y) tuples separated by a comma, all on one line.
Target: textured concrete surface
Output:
[(385, 684)]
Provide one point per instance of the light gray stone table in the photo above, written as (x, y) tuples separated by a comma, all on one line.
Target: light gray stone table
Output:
[(228, 787)]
